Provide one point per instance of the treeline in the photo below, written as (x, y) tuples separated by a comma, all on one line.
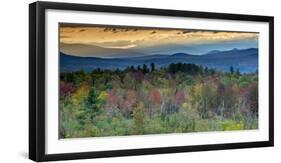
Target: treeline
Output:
[(190, 69)]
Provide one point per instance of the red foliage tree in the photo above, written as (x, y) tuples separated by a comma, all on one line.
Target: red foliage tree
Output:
[(155, 97), (179, 97), (129, 101), (65, 89), (112, 99)]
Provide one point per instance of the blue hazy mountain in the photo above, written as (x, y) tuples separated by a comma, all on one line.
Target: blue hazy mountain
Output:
[(246, 60)]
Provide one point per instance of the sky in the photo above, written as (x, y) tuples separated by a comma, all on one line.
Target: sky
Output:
[(118, 41)]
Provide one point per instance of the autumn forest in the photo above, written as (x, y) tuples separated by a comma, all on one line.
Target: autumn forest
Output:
[(146, 99)]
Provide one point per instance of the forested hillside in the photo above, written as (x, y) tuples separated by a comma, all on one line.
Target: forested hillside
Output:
[(146, 99)]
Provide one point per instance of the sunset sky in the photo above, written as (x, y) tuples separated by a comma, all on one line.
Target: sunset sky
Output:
[(113, 41)]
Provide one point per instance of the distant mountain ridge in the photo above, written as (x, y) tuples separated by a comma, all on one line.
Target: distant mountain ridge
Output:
[(246, 60), (85, 50)]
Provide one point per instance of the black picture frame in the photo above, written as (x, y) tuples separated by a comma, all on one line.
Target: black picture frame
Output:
[(37, 80)]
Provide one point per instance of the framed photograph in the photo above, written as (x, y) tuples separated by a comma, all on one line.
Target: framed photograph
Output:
[(111, 81)]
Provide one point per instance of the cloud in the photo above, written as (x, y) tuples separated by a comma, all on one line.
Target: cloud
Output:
[(116, 44), (62, 37), (141, 37)]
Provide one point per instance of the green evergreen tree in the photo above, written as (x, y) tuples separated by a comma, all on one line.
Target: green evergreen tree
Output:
[(231, 69), (206, 70), (172, 68), (133, 68), (152, 67), (139, 68), (92, 103), (145, 69)]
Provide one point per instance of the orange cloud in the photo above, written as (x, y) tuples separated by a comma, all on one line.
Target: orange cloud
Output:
[(130, 37)]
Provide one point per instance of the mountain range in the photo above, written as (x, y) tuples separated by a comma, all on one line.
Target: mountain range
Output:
[(246, 60)]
